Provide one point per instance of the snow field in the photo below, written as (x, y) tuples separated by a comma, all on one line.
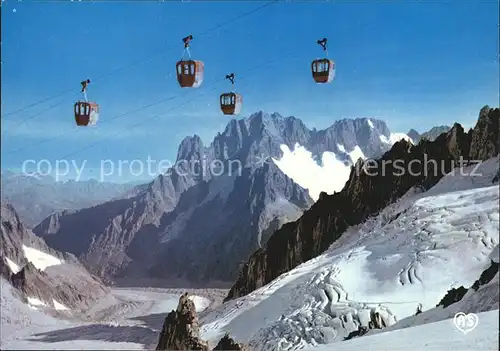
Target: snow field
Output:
[(40, 259), (412, 252)]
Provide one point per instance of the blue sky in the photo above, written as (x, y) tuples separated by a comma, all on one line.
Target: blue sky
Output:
[(412, 64)]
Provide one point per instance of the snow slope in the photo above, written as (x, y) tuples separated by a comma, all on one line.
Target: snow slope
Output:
[(412, 252), (300, 165), (41, 260), (395, 137), (328, 175), (14, 267), (433, 336)]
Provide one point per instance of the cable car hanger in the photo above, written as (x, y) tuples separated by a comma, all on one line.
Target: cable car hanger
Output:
[(231, 78), (86, 112), (84, 88), (187, 41), (190, 73), (323, 43), (323, 69)]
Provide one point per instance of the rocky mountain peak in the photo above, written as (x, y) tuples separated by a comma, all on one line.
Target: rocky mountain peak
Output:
[(414, 135), (190, 148)]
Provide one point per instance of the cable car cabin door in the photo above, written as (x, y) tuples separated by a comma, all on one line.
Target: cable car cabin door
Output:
[(190, 73), (323, 70), (230, 103)]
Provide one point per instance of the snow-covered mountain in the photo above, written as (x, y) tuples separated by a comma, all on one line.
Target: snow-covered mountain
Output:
[(376, 274), (220, 202), (425, 238), (370, 188), (45, 278), (35, 197)]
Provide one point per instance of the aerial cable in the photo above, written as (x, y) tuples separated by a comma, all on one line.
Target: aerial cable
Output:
[(44, 141), (20, 123), (142, 121), (142, 60), (238, 17), (38, 102), (136, 125)]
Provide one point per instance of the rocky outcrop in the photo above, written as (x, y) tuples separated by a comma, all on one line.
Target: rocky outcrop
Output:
[(227, 343), (180, 329), (370, 188), (485, 139), (456, 294)]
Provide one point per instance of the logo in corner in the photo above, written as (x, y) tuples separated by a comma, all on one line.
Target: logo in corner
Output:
[(466, 322)]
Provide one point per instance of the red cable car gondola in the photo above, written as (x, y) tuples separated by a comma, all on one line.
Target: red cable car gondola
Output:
[(230, 103), (190, 73), (323, 70), (86, 113)]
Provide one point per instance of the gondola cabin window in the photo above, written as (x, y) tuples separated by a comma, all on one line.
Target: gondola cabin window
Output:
[(323, 70)]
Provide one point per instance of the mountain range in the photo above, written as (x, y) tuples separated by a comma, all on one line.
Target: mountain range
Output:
[(220, 202), (365, 195), (310, 263), (36, 196)]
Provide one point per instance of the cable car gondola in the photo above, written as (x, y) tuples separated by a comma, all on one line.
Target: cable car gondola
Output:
[(86, 113), (323, 70), (189, 72), (230, 103)]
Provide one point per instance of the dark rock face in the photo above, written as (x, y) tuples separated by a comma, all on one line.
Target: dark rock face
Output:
[(210, 235), (228, 344), (180, 329), (452, 296), (362, 330), (370, 188), (4, 269), (485, 139), (487, 276), (455, 295)]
